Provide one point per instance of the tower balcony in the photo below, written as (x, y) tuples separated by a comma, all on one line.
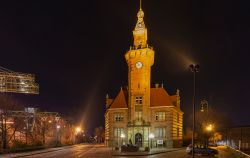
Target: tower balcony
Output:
[(140, 47), (136, 123)]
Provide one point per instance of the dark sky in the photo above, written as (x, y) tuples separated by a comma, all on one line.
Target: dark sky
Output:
[(76, 50)]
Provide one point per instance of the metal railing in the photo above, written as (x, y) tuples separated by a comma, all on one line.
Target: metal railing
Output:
[(239, 152)]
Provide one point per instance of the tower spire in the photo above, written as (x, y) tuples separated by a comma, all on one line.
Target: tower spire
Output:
[(140, 31), (140, 5)]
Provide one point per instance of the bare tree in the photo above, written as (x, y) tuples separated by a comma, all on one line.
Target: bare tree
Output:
[(8, 124), (216, 137), (99, 134)]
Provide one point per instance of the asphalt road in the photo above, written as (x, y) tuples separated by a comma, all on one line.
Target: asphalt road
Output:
[(95, 151)]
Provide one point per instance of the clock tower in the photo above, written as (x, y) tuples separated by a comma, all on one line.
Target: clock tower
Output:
[(141, 113), (139, 58)]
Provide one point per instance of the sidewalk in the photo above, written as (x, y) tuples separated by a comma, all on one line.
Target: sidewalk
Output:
[(144, 153)]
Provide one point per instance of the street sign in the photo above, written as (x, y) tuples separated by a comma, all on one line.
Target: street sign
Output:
[(159, 142)]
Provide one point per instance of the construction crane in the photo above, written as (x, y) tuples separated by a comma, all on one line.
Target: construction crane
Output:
[(16, 82)]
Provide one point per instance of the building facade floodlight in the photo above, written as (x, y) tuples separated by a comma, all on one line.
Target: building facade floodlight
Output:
[(151, 136)]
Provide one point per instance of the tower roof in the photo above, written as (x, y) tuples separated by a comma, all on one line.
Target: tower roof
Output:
[(120, 100), (140, 31), (140, 25), (160, 97)]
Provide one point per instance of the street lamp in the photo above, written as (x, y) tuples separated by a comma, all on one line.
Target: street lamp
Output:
[(204, 103), (151, 136), (78, 130), (194, 69), (57, 133), (122, 136), (209, 127)]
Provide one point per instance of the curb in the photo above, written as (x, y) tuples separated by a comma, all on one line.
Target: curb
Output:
[(147, 154), (44, 152)]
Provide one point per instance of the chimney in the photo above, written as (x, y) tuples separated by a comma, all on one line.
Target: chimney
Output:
[(178, 92), (156, 85), (107, 103)]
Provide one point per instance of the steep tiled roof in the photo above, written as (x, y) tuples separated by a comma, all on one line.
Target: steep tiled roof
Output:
[(121, 100), (160, 97), (173, 98)]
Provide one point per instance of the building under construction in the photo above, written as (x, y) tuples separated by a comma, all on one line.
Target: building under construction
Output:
[(28, 125)]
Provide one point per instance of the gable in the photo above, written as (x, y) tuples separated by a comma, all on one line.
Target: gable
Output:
[(160, 97), (120, 100)]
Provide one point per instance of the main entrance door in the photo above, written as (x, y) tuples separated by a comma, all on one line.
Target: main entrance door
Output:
[(138, 139)]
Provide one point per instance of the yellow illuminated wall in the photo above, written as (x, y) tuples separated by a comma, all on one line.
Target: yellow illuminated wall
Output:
[(139, 58)]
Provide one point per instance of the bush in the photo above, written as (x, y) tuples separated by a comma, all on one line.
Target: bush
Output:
[(116, 148), (129, 148), (147, 149), (37, 143), (55, 143), (19, 144)]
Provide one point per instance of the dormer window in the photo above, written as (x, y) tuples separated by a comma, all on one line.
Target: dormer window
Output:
[(160, 116), (118, 117)]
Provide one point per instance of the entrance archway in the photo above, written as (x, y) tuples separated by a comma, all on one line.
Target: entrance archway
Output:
[(138, 139)]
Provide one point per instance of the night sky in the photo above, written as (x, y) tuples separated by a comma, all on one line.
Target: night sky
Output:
[(76, 50)]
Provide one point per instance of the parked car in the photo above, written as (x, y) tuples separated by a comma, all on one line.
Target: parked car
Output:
[(201, 151)]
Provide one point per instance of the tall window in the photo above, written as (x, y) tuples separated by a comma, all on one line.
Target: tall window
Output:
[(160, 132), (178, 134), (138, 108), (160, 116), (138, 115), (178, 117), (118, 117), (118, 132)]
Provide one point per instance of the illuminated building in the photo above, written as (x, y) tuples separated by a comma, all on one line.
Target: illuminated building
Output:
[(139, 110)]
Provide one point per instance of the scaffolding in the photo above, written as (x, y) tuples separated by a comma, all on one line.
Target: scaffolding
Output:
[(16, 82)]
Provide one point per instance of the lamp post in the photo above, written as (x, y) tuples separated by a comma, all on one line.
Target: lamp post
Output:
[(77, 131), (122, 136), (194, 69), (206, 118), (151, 136), (58, 138), (209, 129)]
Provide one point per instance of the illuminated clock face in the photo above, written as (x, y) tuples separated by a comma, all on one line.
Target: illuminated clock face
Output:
[(138, 65)]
